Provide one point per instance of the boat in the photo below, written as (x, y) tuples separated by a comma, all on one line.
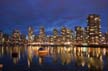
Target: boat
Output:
[(1, 66), (42, 51)]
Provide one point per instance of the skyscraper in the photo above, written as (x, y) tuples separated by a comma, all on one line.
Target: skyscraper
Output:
[(16, 34), (93, 26), (55, 35), (1, 37), (106, 38), (79, 34), (42, 35), (63, 33), (30, 34)]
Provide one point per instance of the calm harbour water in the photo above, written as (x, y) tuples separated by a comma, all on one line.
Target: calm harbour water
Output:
[(53, 59)]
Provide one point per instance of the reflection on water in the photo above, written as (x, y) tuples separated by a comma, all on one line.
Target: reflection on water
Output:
[(69, 58)]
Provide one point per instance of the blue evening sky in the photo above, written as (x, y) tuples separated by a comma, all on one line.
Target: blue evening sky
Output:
[(51, 14)]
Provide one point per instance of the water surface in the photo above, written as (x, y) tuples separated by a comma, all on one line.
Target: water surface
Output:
[(23, 58)]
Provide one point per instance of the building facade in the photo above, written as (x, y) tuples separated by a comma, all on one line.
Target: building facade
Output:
[(93, 28)]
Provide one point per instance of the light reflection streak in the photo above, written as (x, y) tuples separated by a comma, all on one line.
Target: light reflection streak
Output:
[(92, 57)]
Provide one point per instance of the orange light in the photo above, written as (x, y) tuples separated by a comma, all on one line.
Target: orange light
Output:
[(1, 65)]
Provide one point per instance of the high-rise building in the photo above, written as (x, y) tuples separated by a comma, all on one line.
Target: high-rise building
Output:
[(86, 34), (69, 35), (42, 35), (30, 34), (55, 32), (55, 35), (66, 35), (16, 35), (93, 29), (106, 38), (103, 38), (79, 34), (1, 37), (63, 33)]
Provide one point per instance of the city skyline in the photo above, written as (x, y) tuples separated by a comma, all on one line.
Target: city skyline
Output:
[(91, 34), (59, 30), (51, 31)]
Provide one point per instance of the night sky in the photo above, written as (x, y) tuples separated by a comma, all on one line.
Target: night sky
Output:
[(51, 14)]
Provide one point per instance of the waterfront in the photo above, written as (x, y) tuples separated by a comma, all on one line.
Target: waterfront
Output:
[(59, 58)]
